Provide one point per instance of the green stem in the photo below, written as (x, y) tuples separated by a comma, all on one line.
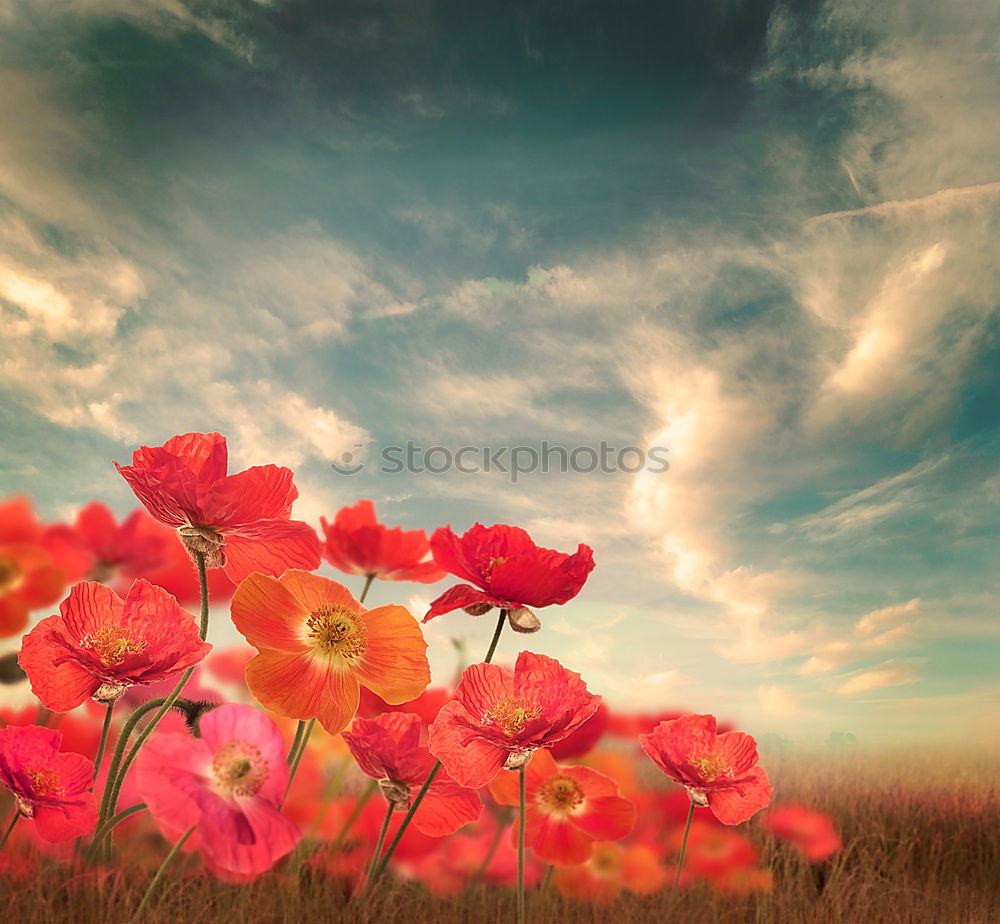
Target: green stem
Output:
[(684, 845), (381, 839), (298, 757), (119, 753), (159, 873), (119, 767), (368, 583), (10, 828), (359, 806), (296, 741), (434, 770), (199, 558), (520, 850), (405, 824), (113, 823), (104, 737), (496, 637)]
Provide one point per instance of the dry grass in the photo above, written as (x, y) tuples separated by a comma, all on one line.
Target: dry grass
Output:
[(921, 844)]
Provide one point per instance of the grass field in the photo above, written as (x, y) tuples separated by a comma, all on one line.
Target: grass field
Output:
[(921, 835)]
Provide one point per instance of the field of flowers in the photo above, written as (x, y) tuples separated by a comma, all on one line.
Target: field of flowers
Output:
[(317, 773)]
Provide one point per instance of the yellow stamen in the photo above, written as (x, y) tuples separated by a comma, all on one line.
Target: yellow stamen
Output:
[(112, 643), (710, 766), (240, 768), (338, 630), (561, 794), (511, 715)]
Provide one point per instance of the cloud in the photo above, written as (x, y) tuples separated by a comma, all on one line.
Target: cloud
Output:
[(873, 632), (887, 674), (777, 700)]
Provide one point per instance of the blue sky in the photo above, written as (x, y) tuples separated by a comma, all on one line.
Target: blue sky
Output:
[(761, 235)]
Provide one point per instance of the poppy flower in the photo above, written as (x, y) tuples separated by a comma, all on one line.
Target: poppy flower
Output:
[(30, 577), (227, 785), (500, 717), (238, 522), (713, 851), (811, 833), (51, 787), (117, 554), (317, 644), (358, 544), (610, 869), (388, 749), (566, 809), (427, 705), (506, 570), (719, 771), (100, 645)]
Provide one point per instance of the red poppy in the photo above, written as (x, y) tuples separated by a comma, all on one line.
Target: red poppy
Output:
[(500, 717), (100, 644), (566, 809), (812, 833), (317, 643), (388, 749), (50, 786), (30, 577), (584, 739), (508, 570), (239, 522), (713, 851), (117, 554), (427, 705), (357, 543), (719, 771), (610, 869)]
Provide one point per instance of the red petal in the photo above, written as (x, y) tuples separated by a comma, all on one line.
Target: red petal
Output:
[(270, 547), (461, 595), (606, 818), (262, 492), (734, 806)]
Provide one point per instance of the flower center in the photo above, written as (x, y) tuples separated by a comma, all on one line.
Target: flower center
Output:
[(710, 766), (510, 715), (111, 644), (10, 574), (560, 794), (43, 781), (338, 630), (240, 768), (605, 861), (491, 567)]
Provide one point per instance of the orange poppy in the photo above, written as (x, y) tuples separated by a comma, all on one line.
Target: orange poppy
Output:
[(318, 646)]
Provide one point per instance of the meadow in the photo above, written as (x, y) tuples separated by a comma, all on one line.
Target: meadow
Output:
[(920, 844)]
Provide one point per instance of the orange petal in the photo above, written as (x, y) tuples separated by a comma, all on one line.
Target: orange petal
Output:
[(313, 591), (304, 687), (394, 664), (268, 615)]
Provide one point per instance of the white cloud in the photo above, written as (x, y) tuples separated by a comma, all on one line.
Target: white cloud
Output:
[(888, 674)]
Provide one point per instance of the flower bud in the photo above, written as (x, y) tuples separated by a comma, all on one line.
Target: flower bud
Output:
[(523, 620), (206, 541), (517, 759), (396, 793)]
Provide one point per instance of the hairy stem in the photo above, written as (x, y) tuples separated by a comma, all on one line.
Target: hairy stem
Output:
[(159, 873)]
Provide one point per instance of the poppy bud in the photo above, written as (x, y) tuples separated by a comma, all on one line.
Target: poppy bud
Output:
[(109, 692), (517, 759), (478, 609), (523, 620), (396, 793), (206, 541)]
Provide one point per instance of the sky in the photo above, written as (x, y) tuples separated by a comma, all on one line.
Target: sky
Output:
[(760, 236)]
